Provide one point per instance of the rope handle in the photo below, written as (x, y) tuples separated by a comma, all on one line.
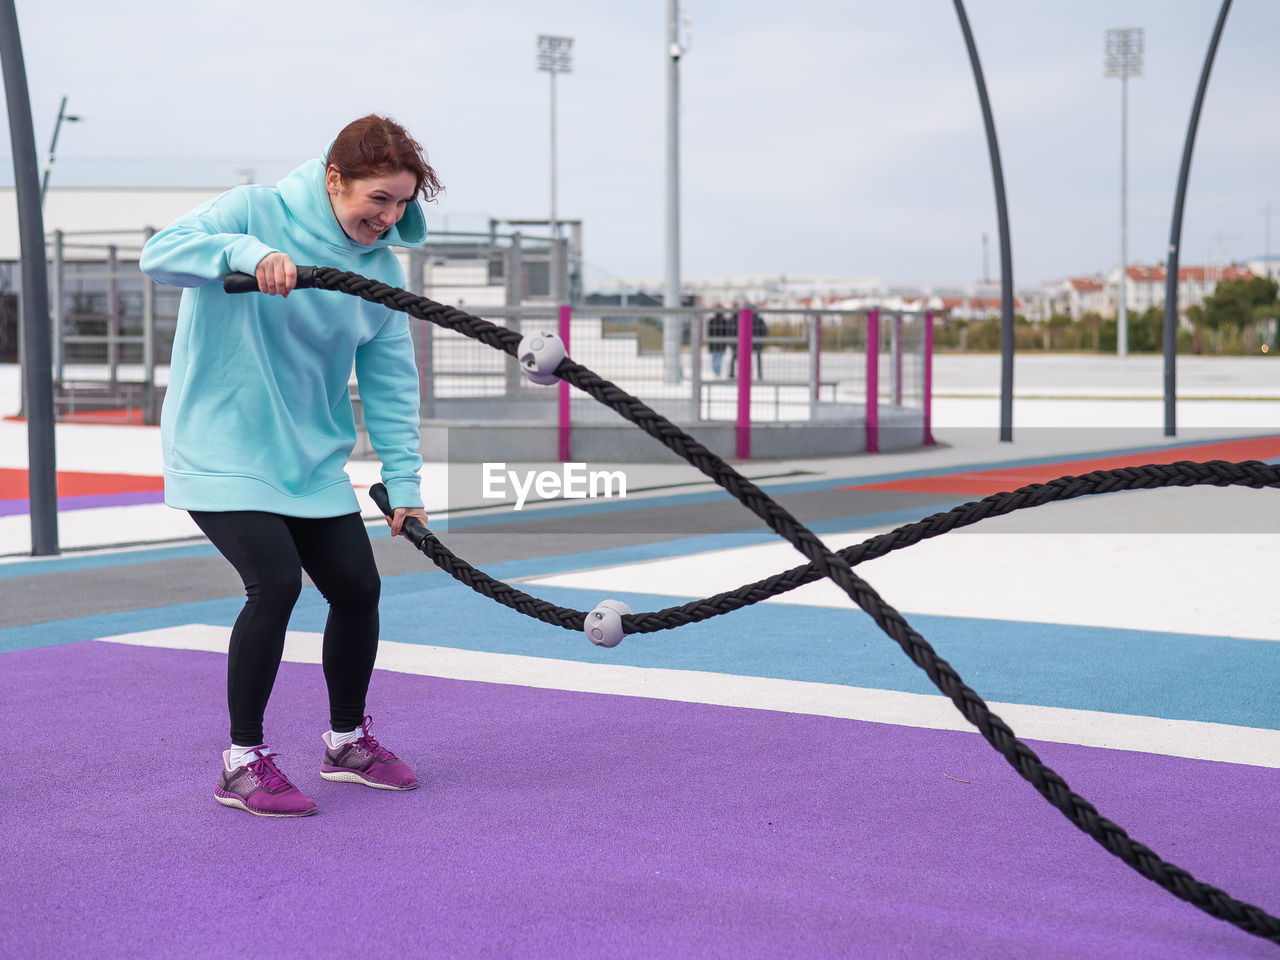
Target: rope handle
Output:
[(414, 529), (238, 282)]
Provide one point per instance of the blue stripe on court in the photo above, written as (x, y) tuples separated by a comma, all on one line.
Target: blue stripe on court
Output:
[(75, 629), (1178, 676)]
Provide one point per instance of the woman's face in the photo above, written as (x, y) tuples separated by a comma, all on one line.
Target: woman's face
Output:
[(367, 208)]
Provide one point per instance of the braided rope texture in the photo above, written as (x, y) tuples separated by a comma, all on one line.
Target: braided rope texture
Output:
[(837, 567)]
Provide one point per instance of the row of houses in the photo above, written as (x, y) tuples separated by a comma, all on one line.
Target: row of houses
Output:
[(1145, 287)]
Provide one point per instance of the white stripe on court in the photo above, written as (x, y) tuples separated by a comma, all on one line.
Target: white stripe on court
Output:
[(1193, 739), (1206, 584)]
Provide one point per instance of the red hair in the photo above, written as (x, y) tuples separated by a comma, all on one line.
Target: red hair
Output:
[(375, 146)]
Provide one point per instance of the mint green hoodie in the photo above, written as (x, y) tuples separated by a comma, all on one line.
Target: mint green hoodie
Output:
[(257, 415)]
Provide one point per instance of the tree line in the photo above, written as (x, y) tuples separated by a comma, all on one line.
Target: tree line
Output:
[(1241, 317)]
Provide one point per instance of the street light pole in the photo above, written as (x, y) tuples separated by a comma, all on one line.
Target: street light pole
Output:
[(553, 223), (554, 57), (671, 325), (1124, 60), (53, 146)]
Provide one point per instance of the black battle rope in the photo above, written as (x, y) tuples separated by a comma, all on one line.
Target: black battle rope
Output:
[(835, 567)]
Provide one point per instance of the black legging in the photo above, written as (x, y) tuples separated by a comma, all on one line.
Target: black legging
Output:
[(269, 552)]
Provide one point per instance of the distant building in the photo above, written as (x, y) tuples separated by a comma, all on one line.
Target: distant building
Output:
[(1144, 288), (1077, 296), (979, 307), (1267, 266), (101, 211), (773, 290), (625, 299)]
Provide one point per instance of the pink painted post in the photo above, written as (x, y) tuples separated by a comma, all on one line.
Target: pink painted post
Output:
[(743, 361), (566, 315), (897, 360), (928, 379), (873, 381)]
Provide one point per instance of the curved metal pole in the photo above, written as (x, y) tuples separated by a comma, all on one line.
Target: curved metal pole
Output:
[(41, 465), (1006, 252), (1175, 238)]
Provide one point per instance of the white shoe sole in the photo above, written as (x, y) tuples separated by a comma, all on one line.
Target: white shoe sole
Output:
[(241, 805), (350, 776)]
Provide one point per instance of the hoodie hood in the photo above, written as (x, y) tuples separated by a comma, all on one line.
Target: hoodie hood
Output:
[(307, 199)]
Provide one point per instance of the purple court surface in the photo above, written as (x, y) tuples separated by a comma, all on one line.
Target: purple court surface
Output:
[(558, 824)]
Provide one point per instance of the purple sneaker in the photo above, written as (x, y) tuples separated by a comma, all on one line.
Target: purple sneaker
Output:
[(261, 788), (366, 761)]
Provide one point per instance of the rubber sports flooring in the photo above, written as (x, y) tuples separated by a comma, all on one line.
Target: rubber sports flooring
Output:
[(777, 782)]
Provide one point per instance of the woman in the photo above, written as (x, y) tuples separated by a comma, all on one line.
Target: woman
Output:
[(257, 427)]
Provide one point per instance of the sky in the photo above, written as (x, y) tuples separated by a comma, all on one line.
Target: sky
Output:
[(817, 137)]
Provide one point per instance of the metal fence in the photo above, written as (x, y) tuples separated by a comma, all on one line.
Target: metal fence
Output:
[(804, 366), (113, 327)]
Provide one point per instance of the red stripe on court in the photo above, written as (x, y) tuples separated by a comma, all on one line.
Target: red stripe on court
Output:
[(13, 483), (986, 482)]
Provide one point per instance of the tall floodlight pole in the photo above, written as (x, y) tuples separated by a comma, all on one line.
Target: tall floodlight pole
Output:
[(1124, 60), (38, 400), (53, 145), (554, 57), (671, 325)]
